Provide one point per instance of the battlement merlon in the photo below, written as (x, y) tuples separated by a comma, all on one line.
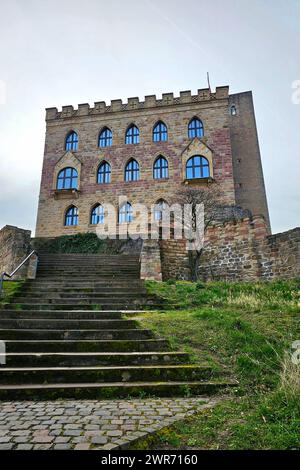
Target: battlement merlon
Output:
[(150, 101)]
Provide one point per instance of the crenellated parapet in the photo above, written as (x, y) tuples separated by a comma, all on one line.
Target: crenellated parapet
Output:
[(132, 104)]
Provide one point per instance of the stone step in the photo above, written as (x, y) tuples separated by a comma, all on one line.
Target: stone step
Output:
[(105, 264), (78, 270), (147, 373), (43, 255), (68, 304), (107, 346), (107, 390), (93, 282), (74, 296), (86, 277), (103, 290), (61, 314), (74, 334), (77, 306), (65, 336), (87, 264), (81, 286), (93, 359), (63, 324)]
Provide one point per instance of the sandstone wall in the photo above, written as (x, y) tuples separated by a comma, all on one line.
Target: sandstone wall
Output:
[(14, 247), (212, 109), (237, 251), (174, 259), (280, 255), (247, 166), (151, 261)]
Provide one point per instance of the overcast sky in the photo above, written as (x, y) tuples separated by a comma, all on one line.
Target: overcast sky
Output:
[(60, 52)]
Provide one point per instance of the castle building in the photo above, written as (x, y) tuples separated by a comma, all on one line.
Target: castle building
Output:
[(147, 151)]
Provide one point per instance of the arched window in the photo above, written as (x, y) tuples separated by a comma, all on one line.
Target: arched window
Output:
[(72, 141), (233, 111), (105, 137), (104, 172), (196, 128), (160, 132), (160, 168), (159, 208), (71, 216), (67, 179), (125, 213), (97, 215), (132, 135), (197, 167), (132, 171)]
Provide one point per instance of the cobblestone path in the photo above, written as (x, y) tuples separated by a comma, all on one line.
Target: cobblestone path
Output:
[(89, 424)]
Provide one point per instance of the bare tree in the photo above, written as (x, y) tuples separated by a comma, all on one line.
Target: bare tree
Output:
[(208, 201)]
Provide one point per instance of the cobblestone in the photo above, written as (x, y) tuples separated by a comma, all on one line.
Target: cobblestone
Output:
[(89, 424)]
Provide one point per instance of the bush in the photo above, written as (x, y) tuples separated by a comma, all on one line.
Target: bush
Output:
[(80, 243)]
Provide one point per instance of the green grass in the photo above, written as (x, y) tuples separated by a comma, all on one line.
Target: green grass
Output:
[(10, 288), (246, 330)]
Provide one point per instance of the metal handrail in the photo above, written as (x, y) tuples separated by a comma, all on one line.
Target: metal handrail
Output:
[(4, 274)]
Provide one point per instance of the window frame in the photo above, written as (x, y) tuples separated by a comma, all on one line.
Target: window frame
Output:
[(65, 178), (74, 216), (161, 170), (132, 135), (71, 141), (194, 167), (160, 132), (125, 215), (107, 139), (233, 110), (97, 218), (132, 174), (159, 203), (105, 173), (195, 128)]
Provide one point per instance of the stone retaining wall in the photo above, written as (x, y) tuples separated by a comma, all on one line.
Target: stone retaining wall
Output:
[(237, 251), (14, 247)]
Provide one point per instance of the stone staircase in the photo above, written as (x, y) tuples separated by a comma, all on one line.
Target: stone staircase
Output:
[(67, 336)]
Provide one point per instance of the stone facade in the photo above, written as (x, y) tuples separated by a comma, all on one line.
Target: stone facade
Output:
[(14, 247), (151, 261), (237, 251), (238, 246), (212, 108), (247, 167)]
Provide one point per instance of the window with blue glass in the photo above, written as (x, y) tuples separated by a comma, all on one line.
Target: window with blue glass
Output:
[(71, 216), (197, 167), (67, 179), (160, 168), (160, 132), (105, 137), (104, 173), (125, 213), (72, 141), (159, 208), (196, 128), (132, 171), (132, 135), (97, 215)]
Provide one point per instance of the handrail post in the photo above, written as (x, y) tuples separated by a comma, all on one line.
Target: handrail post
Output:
[(15, 271), (1, 283)]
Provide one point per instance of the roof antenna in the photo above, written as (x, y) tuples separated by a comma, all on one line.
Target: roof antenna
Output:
[(208, 81)]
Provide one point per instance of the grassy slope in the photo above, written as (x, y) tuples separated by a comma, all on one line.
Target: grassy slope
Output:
[(247, 329), (10, 288)]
